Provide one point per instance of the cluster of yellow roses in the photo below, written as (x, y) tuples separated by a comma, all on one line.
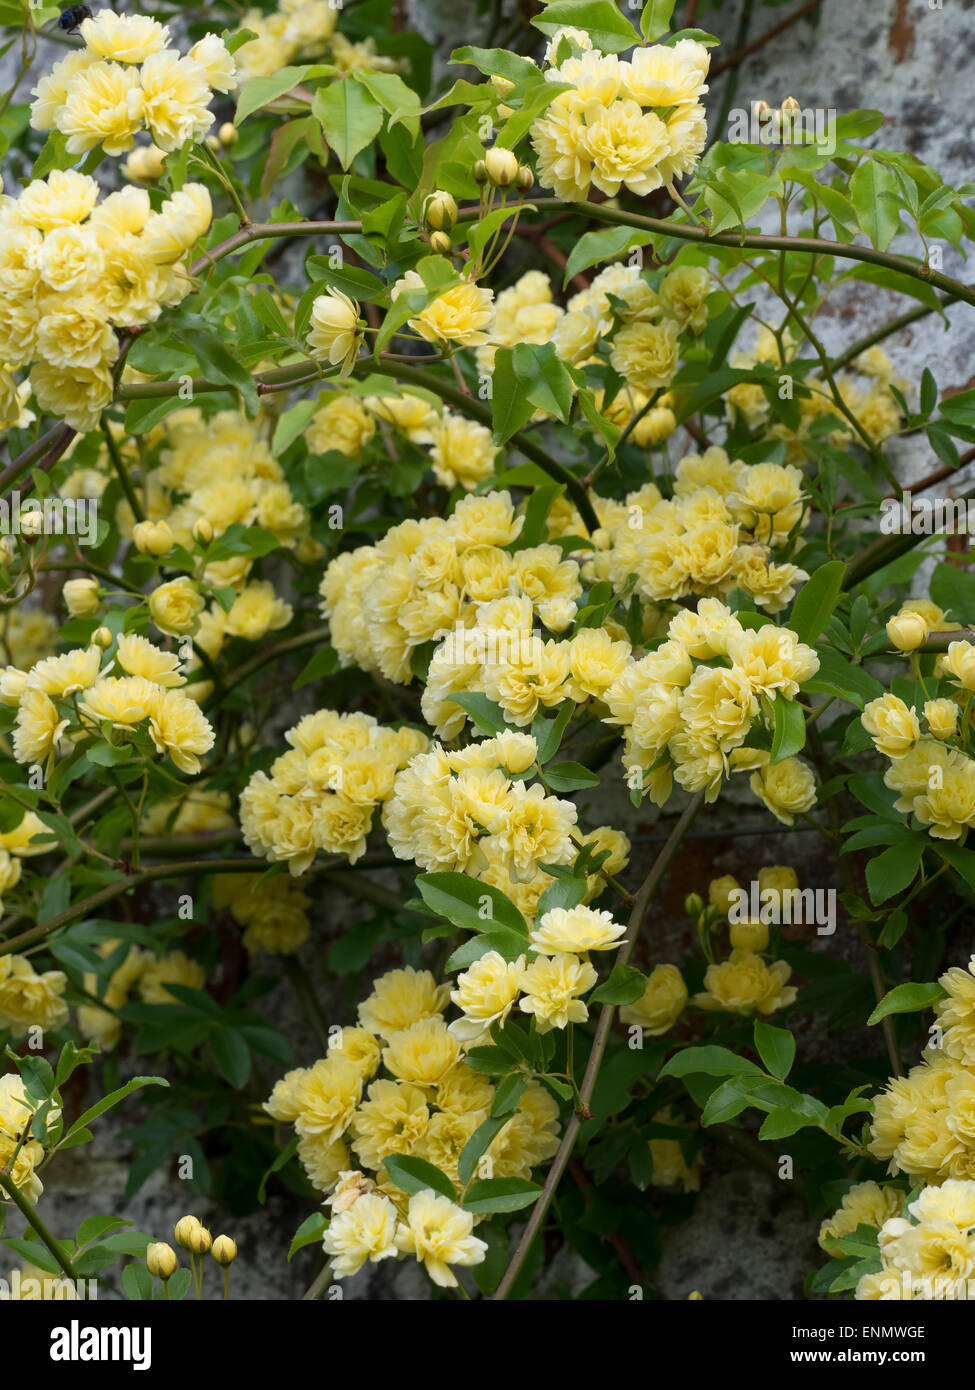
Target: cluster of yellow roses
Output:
[(718, 532), (637, 123), (72, 270), (322, 793), (428, 1103), (64, 698), (125, 79), (688, 706)]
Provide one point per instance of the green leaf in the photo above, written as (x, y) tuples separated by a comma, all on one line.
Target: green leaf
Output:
[(285, 1156), (789, 736), (501, 1194), (507, 1096), (776, 1047), (564, 892), (137, 1283), (546, 379), (232, 1056), (112, 1099), (324, 663), (547, 733), (569, 777), (891, 872), (508, 944), (816, 601), (467, 903), (709, 1061), (605, 245), (837, 676), (907, 999), (219, 364), (261, 91), (416, 1175), (874, 191), (510, 406), (782, 1123), (310, 1232), (94, 1226), (600, 19), (497, 61), (484, 714), (655, 20), (624, 986), (477, 1144), (350, 116)]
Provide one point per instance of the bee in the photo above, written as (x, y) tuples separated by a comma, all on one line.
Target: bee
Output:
[(71, 18)]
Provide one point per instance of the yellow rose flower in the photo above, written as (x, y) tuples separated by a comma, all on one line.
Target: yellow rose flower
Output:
[(661, 1003)]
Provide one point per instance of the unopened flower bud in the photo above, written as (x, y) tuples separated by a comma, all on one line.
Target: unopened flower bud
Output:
[(200, 1240), (82, 597), (228, 134), (440, 211), (184, 1228), (152, 537), (762, 110), (694, 905), (502, 166), (907, 631), (526, 177), (101, 637), (202, 531), (224, 1250), (480, 172), (161, 1260), (32, 524), (441, 243), (212, 143), (720, 891), (750, 935), (790, 106)]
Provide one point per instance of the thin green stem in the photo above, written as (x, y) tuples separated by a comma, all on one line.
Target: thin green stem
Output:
[(122, 473)]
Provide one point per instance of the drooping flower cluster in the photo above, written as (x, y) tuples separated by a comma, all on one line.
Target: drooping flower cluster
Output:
[(398, 1084), (64, 698), (688, 707), (73, 269), (322, 793), (924, 1123), (637, 124), (720, 531), (126, 79)]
